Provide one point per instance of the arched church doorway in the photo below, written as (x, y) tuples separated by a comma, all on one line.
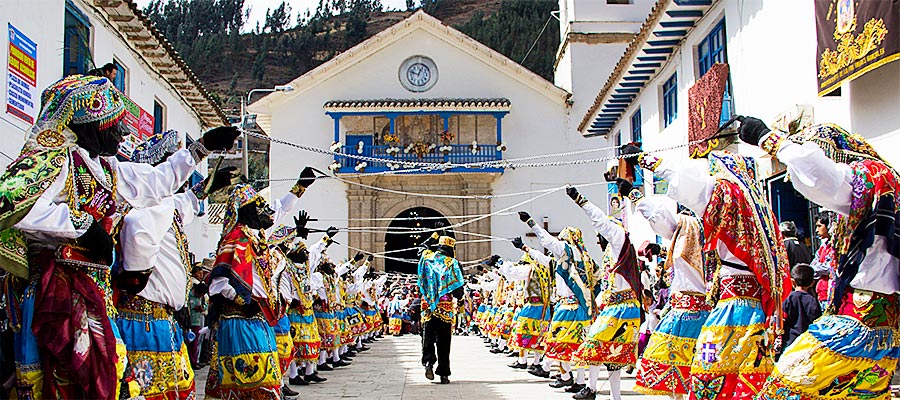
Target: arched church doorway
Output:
[(404, 235)]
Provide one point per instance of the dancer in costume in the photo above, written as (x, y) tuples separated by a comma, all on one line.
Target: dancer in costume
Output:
[(304, 330), (440, 282), (156, 280), (734, 351), (574, 285), (63, 200), (534, 318), (612, 338), (395, 312), (244, 297), (328, 308), (852, 352), (665, 367), (373, 286)]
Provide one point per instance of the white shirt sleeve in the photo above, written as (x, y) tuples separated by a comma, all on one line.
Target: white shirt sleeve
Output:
[(282, 207), (317, 284), (539, 256), (343, 268), (187, 205), (360, 272), (689, 183), (50, 214), (143, 185), (220, 286), (816, 176), (556, 246), (659, 213), (514, 272), (143, 231), (316, 252), (610, 230)]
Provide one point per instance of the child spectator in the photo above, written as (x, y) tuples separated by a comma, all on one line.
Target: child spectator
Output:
[(800, 308)]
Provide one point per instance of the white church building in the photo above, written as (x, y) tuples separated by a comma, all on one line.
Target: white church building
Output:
[(421, 91)]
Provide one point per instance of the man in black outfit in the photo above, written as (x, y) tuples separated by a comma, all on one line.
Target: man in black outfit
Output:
[(797, 252), (440, 282)]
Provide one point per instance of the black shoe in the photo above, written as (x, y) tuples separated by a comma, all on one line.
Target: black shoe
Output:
[(363, 348), (350, 353), (339, 363), (288, 392), (518, 365), (585, 394), (629, 369), (495, 351), (346, 359), (324, 367), (561, 383), (513, 354), (540, 373), (575, 388), (444, 380), (298, 381), (429, 373), (315, 378)]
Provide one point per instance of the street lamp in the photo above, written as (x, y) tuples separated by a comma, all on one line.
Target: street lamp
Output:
[(246, 121)]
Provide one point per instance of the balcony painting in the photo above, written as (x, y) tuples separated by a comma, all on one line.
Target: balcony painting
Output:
[(400, 132)]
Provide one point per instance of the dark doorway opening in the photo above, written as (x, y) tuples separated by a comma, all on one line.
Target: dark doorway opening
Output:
[(789, 205), (405, 233)]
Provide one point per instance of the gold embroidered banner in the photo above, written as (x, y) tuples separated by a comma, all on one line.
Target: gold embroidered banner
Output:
[(854, 37), (705, 109)]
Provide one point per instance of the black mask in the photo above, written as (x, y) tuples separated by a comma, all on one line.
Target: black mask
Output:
[(299, 257), (445, 250), (255, 217), (98, 142), (327, 269), (602, 242)]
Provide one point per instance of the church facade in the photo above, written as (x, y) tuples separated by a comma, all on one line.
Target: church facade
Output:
[(421, 91)]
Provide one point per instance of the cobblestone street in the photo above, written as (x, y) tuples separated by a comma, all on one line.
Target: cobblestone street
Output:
[(391, 370)]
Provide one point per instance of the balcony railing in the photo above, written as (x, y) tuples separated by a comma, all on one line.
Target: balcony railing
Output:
[(458, 154)]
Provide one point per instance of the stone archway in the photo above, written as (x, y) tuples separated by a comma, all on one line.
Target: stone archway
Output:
[(376, 209), (400, 242)]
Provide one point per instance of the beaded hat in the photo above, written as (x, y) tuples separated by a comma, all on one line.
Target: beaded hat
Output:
[(74, 99), (447, 241), (241, 195), (838, 144), (152, 150)]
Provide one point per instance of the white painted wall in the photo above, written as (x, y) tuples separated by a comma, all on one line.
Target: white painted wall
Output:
[(771, 48), (535, 125), (43, 22), (875, 109)]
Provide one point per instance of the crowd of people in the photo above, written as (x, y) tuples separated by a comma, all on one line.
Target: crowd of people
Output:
[(98, 276), (100, 289)]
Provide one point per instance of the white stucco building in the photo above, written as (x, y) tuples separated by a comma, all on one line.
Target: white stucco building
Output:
[(412, 82), (770, 48), (73, 36)]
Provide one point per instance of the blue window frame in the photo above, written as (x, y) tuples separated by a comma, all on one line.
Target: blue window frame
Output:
[(636, 126), (670, 99), (77, 57), (159, 115), (119, 82), (712, 50)]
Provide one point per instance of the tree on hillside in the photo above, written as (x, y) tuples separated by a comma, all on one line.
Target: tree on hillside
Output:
[(279, 19)]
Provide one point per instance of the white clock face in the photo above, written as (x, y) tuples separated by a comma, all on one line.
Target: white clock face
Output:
[(418, 74)]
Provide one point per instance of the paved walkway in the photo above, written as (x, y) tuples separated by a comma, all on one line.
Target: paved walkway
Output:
[(391, 370)]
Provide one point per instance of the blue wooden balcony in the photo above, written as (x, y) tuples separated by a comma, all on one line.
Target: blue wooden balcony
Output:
[(459, 154), (389, 130)]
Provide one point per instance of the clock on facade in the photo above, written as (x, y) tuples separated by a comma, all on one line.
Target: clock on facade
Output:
[(418, 74)]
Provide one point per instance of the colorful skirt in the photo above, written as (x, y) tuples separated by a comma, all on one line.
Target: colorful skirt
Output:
[(30, 372), (285, 343), (329, 327), (567, 327), (157, 353), (244, 361), (530, 326), (612, 338), (504, 319), (731, 358), (372, 318), (488, 320), (479, 316), (665, 367), (848, 356), (305, 334), (395, 325), (356, 323)]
